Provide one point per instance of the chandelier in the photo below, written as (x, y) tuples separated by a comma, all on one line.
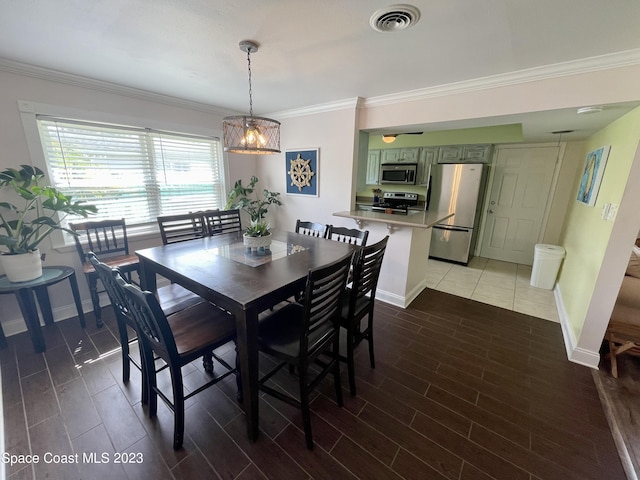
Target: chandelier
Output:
[(248, 133)]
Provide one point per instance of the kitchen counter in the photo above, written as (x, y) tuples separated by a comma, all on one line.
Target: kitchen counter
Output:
[(415, 218), (403, 274)]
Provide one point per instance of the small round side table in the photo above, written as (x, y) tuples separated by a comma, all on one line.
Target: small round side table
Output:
[(24, 294)]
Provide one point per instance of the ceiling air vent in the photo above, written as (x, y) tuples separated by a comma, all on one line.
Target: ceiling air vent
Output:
[(395, 18)]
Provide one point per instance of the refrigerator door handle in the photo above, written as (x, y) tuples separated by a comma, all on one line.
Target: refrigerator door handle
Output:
[(452, 229)]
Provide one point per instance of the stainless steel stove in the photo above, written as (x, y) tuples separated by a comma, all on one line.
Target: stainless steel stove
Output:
[(396, 203)]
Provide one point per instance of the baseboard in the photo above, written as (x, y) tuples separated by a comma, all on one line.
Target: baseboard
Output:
[(399, 300), (390, 298), (574, 354), (17, 325)]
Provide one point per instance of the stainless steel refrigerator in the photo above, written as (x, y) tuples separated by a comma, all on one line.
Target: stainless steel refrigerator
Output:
[(457, 188)]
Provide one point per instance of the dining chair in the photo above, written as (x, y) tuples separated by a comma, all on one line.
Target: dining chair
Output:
[(307, 334), (178, 340), (312, 229), (348, 235), (171, 298), (359, 302), (181, 227), (219, 222), (107, 239)]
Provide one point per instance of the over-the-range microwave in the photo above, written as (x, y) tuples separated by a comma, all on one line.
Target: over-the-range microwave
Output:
[(398, 173)]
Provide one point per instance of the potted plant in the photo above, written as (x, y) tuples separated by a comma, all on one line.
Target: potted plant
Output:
[(38, 212), (258, 234)]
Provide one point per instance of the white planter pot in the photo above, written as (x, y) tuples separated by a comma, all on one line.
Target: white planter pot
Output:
[(22, 267), (257, 245)]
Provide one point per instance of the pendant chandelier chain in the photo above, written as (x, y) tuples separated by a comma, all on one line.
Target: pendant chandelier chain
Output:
[(250, 90)]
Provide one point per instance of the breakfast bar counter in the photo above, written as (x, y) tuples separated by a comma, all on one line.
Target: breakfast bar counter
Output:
[(404, 268), (414, 219)]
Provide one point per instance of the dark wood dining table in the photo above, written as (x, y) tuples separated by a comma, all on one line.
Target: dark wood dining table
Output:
[(220, 270)]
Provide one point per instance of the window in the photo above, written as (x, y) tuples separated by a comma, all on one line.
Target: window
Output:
[(133, 173)]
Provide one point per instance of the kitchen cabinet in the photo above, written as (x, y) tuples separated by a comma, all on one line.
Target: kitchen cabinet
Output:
[(373, 167), (477, 153), (464, 154), (428, 156), (402, 155)]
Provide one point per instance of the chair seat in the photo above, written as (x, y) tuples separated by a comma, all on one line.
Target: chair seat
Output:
[(200, 325), (280, 332), (123, 262), (362, 304)]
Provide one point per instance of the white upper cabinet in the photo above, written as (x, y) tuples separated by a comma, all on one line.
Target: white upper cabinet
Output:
[(450, 154), (401, 155), (464, 154), (428, 156), (409, 155), (373, 167), (390, 155), (477, 153)]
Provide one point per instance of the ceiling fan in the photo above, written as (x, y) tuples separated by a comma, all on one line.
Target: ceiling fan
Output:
[(391, 137)]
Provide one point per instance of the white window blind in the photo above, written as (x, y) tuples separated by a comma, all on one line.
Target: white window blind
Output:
[(133, 173)]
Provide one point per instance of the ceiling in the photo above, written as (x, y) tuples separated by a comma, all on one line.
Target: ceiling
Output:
[(314, 52)]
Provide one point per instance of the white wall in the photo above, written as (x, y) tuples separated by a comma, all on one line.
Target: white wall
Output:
[(334, 134), (90, 104), (600, 87)]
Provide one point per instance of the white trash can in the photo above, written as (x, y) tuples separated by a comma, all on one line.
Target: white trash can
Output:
[(546, 264)]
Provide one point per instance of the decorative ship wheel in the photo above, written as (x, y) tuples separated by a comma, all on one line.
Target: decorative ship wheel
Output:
[(300, 172)]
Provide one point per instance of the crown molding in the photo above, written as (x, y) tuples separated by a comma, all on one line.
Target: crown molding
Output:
[(586, 65), (574, 67), (18, 68), (321, 108)]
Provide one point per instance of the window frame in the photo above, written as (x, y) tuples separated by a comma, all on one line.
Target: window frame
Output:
[(30, 111)]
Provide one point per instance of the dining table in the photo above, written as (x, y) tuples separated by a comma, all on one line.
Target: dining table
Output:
[(221, 270)]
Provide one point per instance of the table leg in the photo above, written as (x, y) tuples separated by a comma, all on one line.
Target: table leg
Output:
[(45, 304), (30, 315), (147, 277), (247, 340), (76, 298)]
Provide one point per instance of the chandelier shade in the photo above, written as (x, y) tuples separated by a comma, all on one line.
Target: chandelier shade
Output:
[(250, 134), (247, 133)]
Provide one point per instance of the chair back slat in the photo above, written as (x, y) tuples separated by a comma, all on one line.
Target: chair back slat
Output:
[(106, 275), (312, 229), (104, 238), (366, 271), (220, 222), (322, 301), (181, 227), (150, 320), (348, 235)]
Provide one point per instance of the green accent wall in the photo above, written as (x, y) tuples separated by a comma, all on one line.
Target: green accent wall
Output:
[(511, 133), (586, 235)]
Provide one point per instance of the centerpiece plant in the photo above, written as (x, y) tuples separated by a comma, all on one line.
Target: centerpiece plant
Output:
[(255, 204), (35, 213)]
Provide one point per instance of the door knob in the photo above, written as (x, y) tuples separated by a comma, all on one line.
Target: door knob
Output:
[(490, 211)]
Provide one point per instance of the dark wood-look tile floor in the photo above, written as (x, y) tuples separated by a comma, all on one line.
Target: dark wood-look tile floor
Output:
[(461, 391)]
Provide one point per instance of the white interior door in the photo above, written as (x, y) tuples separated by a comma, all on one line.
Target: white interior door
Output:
[(517, 203)]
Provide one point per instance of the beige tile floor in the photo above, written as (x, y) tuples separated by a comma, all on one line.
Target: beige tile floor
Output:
[(498, 283)]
